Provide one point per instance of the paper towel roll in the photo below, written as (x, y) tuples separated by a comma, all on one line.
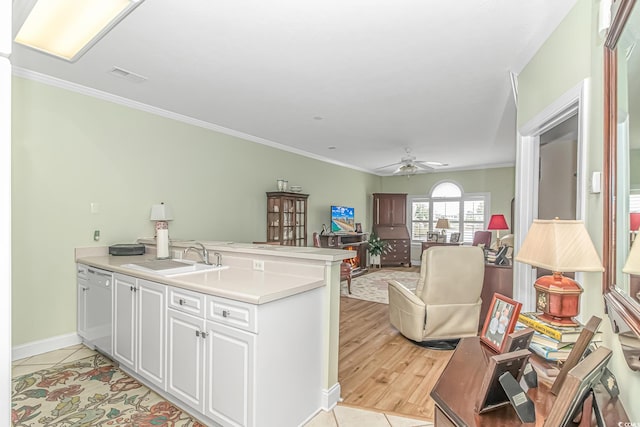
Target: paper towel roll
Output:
[(162, 243)]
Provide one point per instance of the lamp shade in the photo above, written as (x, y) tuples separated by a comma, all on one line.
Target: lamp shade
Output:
[(161, 212), (559, 245), (634, 221), (632, 266), (498, 222), (442, 223)]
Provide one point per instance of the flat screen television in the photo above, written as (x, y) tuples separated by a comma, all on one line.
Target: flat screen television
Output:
[(342, 219)]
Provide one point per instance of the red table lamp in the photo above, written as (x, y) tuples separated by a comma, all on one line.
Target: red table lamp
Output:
[(634, 224), (559, 246), (497, 222)]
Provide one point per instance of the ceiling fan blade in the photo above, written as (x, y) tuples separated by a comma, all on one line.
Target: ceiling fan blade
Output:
[(388, 166), (423, 166)]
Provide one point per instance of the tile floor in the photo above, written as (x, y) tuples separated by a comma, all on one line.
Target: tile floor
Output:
[(341, 416)]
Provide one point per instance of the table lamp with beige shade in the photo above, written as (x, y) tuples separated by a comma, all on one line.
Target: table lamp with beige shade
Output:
[(443, 225), (559, 246)]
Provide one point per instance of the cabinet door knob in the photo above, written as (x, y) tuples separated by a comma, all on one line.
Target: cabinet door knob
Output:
[(197, 333), (203, 335)]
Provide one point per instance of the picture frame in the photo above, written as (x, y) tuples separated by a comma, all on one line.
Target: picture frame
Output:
[(579, 382), (500, 322), (433, 236), (518, 340), (491, 394), (454, 238), (358, 227)]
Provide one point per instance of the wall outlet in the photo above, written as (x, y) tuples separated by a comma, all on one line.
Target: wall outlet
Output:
[(258, 264)]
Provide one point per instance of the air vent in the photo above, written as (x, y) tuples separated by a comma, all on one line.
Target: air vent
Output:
[(128, 75)]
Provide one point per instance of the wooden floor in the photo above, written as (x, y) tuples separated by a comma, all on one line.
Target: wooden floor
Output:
[(379, 369)]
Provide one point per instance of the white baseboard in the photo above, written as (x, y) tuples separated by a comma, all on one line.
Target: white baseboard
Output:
[(331, 397), (43, 346)]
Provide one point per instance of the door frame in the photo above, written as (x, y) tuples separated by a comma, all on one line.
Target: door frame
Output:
[(573, 102)]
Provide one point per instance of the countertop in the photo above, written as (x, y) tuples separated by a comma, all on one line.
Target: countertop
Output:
[(239, 284)]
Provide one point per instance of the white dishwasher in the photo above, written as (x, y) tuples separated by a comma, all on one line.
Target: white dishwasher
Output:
[(95, 287)]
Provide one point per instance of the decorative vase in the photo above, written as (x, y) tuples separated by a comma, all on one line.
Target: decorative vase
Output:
[(374, 260)]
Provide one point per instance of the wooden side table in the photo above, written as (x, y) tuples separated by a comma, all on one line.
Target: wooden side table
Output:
[(457, 388)]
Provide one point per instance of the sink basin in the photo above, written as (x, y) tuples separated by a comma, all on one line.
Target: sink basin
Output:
[(172, 267)]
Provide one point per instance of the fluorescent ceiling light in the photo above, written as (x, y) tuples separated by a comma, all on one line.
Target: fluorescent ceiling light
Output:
[(68, 28)]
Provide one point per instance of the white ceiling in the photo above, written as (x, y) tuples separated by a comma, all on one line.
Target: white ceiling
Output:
[(368, 77)]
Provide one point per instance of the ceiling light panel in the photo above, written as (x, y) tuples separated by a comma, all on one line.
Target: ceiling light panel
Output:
[(68, 28)]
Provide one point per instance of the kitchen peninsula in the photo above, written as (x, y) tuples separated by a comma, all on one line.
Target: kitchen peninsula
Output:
[(251, 344)]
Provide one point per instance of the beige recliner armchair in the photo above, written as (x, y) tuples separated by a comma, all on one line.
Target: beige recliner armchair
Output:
[(446, 303)]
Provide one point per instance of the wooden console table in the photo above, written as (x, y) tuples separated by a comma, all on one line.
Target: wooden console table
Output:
[(456, 392)]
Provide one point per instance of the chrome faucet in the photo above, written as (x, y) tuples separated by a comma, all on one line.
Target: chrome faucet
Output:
[(218, 259), (202, 251)]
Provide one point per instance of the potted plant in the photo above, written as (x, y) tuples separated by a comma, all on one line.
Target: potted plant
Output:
[(377, 247)]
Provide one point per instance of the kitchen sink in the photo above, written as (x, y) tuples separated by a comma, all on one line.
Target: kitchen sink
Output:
[(173, 267)]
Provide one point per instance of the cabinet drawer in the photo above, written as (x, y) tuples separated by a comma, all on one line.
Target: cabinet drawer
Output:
[(232, 313), (186, 301)]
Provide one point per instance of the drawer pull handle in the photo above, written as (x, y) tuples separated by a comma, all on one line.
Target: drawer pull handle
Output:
[(225, 313), (203, 335), (182, 302), (197, 333)]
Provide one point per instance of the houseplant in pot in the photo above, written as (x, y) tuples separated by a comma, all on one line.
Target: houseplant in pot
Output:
[(377, 247)]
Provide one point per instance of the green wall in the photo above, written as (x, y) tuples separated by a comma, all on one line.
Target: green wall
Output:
[(573, 53)]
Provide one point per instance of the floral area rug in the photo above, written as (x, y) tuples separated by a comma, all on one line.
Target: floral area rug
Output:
[(372, 286), (89, 392)]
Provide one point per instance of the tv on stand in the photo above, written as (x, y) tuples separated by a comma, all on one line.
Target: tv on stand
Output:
[(342, 219)]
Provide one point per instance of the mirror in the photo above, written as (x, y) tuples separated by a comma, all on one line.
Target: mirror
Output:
[(621, 171)]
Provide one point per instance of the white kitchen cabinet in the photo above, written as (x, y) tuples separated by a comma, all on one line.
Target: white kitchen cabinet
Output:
[(210, 366), (82, 288), (233, 363), (139, 327), (124, 320), (185, 358), (230, 365)]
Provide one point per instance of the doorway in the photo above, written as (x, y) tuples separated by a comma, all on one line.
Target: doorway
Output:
[(557, 177), (571, 104)]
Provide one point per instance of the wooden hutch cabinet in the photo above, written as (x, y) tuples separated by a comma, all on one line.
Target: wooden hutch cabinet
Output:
[(287, 218), (389, 209), (390, 224)]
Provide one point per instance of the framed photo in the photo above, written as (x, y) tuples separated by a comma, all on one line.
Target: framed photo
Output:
[(491, 394), (500, 322), (432, 236), (358, 227), (455, 238), (580, 380), (518, 340)]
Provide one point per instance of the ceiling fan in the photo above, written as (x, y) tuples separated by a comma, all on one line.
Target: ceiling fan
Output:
[(408, 165)]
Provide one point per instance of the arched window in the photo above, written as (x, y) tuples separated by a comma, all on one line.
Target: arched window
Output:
[(465, 213)]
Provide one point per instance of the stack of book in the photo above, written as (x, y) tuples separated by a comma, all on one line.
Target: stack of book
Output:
[(550, 341)]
